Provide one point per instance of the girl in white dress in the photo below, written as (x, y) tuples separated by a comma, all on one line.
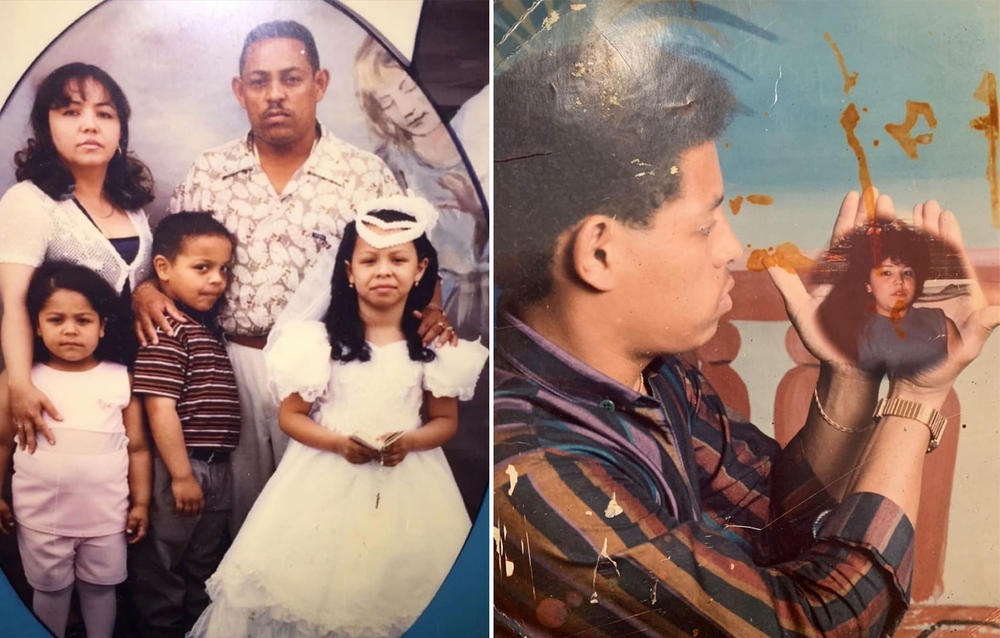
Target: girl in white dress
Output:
[(360, 524)]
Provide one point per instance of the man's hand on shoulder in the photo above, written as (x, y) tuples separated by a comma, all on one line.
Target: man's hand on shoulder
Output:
[(151, 308)]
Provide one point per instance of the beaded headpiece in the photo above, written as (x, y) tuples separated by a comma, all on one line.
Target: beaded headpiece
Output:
[(424, 215)]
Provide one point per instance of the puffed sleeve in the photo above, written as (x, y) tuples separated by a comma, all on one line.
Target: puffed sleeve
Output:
[(455, 369), (23, 216), (299, 360)]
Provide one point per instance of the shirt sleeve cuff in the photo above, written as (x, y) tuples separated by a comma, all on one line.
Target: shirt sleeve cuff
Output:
[(879, 526)]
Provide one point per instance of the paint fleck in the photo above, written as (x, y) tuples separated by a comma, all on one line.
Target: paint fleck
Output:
[(512, 476), (902, 133), (613, 509), (579, 68), (726, 144), (989, 124), (735, 204), (849, 79), (577, 6), (760, 200), (551, 19), (674, 170), (875, 142), (588, 513), (508, 567)]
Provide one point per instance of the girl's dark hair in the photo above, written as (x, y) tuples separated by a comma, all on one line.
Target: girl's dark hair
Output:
[(848, 306), (52, 276), (343, 322), (128, 183)]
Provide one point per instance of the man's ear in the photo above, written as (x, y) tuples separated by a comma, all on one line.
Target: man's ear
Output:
[(590, 252), (322, 79), (237, 86), (161, 266)]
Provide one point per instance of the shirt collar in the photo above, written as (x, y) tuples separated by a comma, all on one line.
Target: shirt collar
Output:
[(314, 164), (531, 355)]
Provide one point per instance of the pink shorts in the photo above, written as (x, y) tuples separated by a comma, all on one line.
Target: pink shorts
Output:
[(53, 562)]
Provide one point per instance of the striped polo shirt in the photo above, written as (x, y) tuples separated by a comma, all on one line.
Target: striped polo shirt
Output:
[(191, 366), (624, 514)]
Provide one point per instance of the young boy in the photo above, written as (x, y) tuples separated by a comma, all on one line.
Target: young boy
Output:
[(189, 391)]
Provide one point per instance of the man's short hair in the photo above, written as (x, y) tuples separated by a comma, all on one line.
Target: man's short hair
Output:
[(282, 29), (168, 239), (591, 127)]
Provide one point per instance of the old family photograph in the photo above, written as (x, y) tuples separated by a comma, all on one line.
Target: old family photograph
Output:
[(377, 318)]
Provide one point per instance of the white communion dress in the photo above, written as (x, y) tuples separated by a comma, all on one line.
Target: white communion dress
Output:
[(336, 549)]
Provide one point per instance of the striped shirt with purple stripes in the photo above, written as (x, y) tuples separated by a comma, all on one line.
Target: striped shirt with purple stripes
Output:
[(191, 366), (622, 514)]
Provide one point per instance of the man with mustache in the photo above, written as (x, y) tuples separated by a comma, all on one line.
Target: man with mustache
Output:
[(286, 191), (627, 499)]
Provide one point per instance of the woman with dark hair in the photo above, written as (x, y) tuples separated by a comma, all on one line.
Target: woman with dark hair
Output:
[(78, 199), (870, 314)]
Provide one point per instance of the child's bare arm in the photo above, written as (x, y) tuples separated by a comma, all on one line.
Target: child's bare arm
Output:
[(140, 472), (6, 449), (294, 420), (169, 439), (440, 427)]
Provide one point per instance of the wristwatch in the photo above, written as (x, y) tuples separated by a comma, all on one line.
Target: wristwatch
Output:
[(892, 406)]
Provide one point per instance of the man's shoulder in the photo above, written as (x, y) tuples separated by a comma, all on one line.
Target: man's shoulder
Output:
[(225, 158), (332, 148)]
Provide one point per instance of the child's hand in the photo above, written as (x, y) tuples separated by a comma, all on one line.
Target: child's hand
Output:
[(6, 517), (353, 451), (135, 526), (188, 497), (394, 453)]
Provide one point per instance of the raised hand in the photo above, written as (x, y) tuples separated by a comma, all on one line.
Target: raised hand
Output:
[(977, 318), (803, 305)]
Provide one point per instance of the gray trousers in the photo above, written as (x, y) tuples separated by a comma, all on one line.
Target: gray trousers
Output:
[(168, 568)]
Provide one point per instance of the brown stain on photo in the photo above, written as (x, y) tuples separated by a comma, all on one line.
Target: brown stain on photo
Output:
[(850, 79), (735, 204), (903, 133), (760, 200), (989, 124), (849, 119), (785, 255)]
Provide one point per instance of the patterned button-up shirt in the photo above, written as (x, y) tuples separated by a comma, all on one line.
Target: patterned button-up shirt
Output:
[(278, 236), (623, 514)]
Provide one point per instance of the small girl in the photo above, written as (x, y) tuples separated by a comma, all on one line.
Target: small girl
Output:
[(79, 500), (359, 525)]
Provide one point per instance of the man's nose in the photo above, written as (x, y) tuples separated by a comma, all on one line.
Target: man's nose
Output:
[(275, 91)]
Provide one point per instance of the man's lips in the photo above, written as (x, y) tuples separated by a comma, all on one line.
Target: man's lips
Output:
[(276, 115)]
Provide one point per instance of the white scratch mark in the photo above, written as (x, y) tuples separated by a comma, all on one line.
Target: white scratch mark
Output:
[(531, 569), (579, 6), (613, 509), (603, 554), (519, 22), (508, 567), (776, 87), (652, 599), (588, 513), (512, 476)]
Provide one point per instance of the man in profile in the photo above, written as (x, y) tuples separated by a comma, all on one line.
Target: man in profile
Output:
[(627, 500)]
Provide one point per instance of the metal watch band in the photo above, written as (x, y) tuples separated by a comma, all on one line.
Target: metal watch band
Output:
[(893, 406)]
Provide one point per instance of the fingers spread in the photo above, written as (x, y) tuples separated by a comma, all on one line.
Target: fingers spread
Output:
[(845, 218)]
